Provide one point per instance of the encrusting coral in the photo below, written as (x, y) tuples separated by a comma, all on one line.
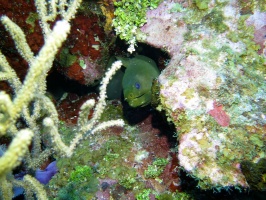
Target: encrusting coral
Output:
[(32, 105)]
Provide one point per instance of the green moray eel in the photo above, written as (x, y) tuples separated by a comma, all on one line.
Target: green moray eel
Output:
[(137, 80)]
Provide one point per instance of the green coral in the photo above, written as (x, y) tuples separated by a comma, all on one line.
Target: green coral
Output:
[(130, 15)]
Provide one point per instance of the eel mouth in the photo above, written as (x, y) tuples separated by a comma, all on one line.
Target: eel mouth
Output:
[(139, 96), (136, 99)]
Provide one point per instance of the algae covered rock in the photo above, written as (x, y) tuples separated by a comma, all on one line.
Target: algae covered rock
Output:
[(214, 88)]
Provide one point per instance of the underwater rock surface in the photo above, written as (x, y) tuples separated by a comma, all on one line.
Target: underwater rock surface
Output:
[(214, 87)]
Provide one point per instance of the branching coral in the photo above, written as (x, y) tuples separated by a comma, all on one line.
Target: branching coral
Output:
[(31, 104)]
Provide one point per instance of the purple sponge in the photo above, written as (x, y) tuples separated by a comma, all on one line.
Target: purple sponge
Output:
[(44, 176)]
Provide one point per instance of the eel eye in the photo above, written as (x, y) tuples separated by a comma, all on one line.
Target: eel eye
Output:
[(137, 85)]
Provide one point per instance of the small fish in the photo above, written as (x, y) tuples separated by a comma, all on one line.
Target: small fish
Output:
[(137, 81)]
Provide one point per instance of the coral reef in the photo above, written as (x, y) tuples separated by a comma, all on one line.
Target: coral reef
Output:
[(85, 50), (214, 87), (68, 107), (142, 161), (210, 94), (27, 19), (30, 112)]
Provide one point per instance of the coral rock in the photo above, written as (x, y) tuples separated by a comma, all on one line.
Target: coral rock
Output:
[(213, 89)]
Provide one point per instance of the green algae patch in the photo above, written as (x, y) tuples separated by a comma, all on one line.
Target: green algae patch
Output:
[(202, 4), (66, 59), (156, 168), (31, 19), (81, 173), (130, 15), (215, 20), (257, 141), (82, 184)]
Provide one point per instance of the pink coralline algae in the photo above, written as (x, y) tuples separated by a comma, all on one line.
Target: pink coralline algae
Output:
[(220, 115), (213, 88), (92, 72)]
